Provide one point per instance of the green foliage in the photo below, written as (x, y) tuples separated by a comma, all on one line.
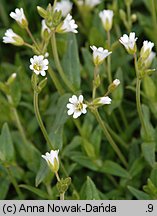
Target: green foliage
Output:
[(90, 168)]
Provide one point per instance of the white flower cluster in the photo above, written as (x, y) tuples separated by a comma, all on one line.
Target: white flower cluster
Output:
[(146, 52)]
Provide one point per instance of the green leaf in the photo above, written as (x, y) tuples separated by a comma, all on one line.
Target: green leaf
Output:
[(62, 115), (71, 63), (85, 161), (6, 145), (89, 190), (16, 92), (140, 195), (4, 182), (137, 167), (113, 168), (148, 149), (88, 63), (57, 138), (149, 88), (96, 139), (36, 191), (28, 152), (42, 172)]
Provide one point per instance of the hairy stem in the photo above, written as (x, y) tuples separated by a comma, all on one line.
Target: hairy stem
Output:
[(109, 60), (58, 64), (138, 99), (109, 138), (40, 122)]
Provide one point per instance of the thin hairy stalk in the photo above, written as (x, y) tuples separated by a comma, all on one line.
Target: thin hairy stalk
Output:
[(40, 122), (58, 64), (129, 26), (72, 185), (109, 138), (94, 82), (32, 37), (58, 179), (109, 60), (28, 45), (138, 99)]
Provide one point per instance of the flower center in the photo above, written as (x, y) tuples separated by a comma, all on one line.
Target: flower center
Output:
[(37, 67), (79, 106)]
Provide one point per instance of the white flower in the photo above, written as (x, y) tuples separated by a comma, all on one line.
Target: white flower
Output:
[(76, 106), (39, 65), (129, 42), (52, 160), (19, 16), (68, 25), (99, 54), (89, 3), (13, 38), (65, 6), (146, 49), (105, 100), (150, 58), (116, 82), (106, 17)]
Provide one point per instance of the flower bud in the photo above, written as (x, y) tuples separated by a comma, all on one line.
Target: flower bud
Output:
[(122, 14), (42, 12), (106, 17), (11, 79), (134, 18), (102, 101), (13, 38), (113, 85), (146, 49), (20, 17), (41, 85), (52, 160)]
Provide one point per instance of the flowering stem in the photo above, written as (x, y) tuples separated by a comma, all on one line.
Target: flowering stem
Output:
[(95, 81), (28, 45), (109, 138), (58, 64), (109, 59), (129, 24), (58, 179), (138, 100), (55, 81), (42, 127), (31, 36)]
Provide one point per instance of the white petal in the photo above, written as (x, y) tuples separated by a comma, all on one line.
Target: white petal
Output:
[(43, 73), (81, 98), (76, 114)]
